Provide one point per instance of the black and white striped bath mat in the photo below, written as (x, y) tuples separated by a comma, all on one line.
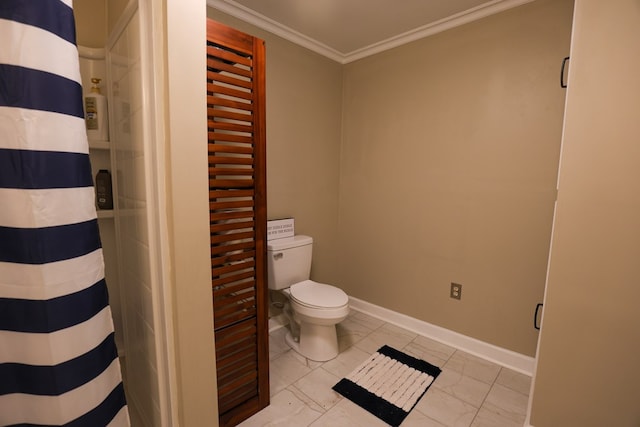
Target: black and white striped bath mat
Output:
[(388, 384)]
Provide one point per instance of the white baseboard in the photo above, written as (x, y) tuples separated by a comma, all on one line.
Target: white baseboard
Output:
[(277, 322), (507, 358)]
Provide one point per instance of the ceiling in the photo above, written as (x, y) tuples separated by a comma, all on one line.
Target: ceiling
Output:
[(346, 30)]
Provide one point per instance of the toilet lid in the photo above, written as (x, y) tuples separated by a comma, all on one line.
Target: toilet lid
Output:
[(315, 294)]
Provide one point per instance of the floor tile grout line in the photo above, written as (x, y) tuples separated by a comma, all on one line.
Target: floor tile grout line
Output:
[(367, 334), (485, 397), (511, 388), (324, 411), (340, 398)]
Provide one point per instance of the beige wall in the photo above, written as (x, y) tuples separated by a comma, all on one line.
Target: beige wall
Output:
[(304, 93), (594, 257), (91, 26), (96, 19), (449, 161), (443, 167), (114, 11), (587, 373)]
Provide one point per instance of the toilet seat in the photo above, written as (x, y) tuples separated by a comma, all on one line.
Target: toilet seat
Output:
[(318, 295)]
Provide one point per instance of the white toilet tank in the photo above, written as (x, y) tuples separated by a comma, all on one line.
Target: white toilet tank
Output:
[(288, 261)]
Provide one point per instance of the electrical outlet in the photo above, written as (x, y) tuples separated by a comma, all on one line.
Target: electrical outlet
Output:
[(456, 291)]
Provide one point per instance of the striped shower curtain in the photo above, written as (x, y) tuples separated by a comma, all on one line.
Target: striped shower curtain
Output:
[(58, 360)]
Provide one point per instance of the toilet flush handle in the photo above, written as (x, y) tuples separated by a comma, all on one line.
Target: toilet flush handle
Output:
[(278, 255)]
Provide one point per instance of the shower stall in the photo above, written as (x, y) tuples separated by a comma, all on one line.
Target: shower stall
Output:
[(130, 232), (157, 236)]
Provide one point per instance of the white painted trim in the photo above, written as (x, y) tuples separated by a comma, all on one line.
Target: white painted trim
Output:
[(151, 80), (278, 322), (252, 17), (152, 58), (459, 19), (507, 358)]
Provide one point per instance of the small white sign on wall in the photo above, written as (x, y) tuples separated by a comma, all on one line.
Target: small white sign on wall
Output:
[(280, 228)]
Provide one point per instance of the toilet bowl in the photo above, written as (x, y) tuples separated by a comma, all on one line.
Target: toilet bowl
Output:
[(316, 307)]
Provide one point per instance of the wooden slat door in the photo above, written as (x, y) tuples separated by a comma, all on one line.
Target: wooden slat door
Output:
[(237, 205)]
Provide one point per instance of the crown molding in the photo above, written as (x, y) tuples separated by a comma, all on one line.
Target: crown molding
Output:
[(459, 19), (252, 17), (245, 14)]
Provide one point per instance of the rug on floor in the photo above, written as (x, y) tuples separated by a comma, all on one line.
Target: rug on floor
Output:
[(388, 384)]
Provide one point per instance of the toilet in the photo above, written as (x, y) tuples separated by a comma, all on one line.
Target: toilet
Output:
[(316, 307)]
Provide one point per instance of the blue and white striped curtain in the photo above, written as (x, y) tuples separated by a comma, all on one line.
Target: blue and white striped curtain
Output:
[(58, 359)]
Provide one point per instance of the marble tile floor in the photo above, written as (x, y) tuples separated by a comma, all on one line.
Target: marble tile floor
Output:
[(469, 392)]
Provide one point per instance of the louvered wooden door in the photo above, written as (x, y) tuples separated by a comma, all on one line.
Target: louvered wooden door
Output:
[(237, 204)]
